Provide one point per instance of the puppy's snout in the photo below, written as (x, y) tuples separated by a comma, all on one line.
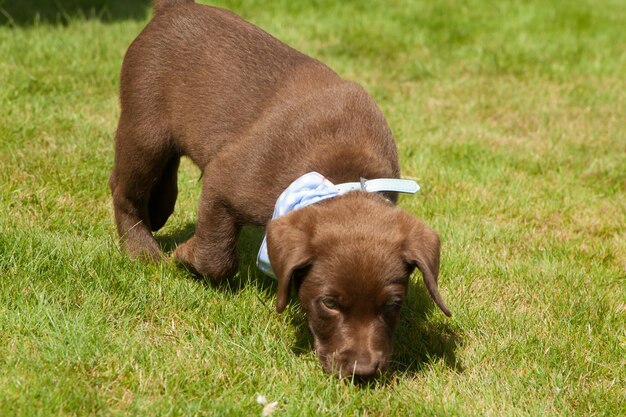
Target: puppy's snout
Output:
[(367, 370), (363, 364)]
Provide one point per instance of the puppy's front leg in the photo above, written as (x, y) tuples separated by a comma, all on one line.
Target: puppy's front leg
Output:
[(212, 251)]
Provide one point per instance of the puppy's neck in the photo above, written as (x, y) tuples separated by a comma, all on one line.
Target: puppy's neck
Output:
[(348, 162)]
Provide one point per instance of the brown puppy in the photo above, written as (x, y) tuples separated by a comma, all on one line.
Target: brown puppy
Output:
[(254, 115)]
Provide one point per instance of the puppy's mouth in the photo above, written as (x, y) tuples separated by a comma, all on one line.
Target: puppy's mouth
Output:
[(326, 359)]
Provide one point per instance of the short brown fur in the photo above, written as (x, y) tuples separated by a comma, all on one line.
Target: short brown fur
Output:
[(254, 114)]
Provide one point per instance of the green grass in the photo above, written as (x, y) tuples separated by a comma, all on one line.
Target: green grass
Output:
[(512, 116)]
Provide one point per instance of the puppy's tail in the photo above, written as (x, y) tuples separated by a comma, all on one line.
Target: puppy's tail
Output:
[(161, 5)]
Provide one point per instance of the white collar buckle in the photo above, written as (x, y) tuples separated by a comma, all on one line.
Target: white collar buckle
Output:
[(378, 185)]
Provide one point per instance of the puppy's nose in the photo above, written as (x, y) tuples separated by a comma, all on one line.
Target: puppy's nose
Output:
[(364, 370), (361, 364)]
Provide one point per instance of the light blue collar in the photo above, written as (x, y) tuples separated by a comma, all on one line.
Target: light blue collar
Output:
[(312, 188)]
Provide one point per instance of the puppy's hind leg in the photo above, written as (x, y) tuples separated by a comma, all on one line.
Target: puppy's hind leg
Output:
[(140, 163)]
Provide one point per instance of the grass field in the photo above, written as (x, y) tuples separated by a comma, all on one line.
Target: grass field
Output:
[(512, 116)]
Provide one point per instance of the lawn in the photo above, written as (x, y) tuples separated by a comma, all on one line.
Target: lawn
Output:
[(511, 115)]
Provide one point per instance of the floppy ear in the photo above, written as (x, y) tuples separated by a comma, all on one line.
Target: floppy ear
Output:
[(421, 249), (288, 250)]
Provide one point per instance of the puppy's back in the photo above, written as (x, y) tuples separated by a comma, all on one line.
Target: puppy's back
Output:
[(187, 69)]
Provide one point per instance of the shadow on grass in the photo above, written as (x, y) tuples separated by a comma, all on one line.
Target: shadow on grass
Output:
[(169, 241), (61, 12), (418, 341)]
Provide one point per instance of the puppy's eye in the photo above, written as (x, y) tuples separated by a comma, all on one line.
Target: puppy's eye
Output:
[(393, 304), (330, 303)]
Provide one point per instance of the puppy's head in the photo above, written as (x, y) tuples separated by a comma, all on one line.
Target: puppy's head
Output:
[(350, 259)]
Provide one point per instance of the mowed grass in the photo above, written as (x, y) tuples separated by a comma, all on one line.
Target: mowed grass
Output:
[(512, 116)]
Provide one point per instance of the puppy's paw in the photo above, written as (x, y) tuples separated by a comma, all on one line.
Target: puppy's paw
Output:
[(146, 250), (185, 253), (205, 260)]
